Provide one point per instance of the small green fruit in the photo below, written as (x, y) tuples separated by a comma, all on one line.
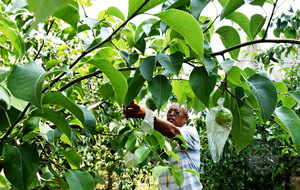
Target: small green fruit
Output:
[(100, 128), (150, 104), (224, 117)]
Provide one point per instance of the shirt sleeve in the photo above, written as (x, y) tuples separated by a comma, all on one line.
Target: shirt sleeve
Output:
[(190, 135)]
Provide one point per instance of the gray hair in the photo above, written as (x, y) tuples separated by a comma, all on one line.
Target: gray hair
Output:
[(185, 110)]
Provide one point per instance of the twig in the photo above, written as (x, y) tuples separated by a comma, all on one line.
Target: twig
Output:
[(46, 154), (95, 105), (268, 26), (211, 24)]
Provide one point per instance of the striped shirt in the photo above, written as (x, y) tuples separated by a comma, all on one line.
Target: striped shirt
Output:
[(191, 181)]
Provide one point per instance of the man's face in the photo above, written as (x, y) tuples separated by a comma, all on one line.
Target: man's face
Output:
[(176, 115)]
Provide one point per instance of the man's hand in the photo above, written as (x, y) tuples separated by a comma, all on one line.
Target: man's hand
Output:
[(134, 110)]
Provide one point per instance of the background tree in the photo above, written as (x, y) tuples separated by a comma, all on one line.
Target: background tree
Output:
[(66, 77)]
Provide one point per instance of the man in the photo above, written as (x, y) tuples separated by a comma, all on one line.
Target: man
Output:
[(175, 125)]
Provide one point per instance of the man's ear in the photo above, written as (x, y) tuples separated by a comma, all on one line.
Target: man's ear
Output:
[(187, 118)]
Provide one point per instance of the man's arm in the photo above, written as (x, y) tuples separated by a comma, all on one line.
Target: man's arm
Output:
[(166, 128)]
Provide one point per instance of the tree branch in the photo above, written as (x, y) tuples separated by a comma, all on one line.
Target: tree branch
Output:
[(98, 45), (270, 20), (211, 24)]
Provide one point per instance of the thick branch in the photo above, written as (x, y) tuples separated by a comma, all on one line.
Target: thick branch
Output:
[(291, 41), (98, 45)]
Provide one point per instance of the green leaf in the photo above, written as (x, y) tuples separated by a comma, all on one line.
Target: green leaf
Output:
[(202, 84), (288, 101), (160, 139), (106, 90), (49, 134), (43, 8), (243, 21), (265, 94), (115, 12), (198, 106), (296, 96), (141, 154), (117, 80), (179, 92), (5, 101), (7, 22), (231, 6), (178, 175), (30, 124), (134, 87), (181, 139), (78, 180), (15, 39), (258, 2), (55, 118), (25, 82), (131, 142), (147, 66), (172, 63), (291, 120), (197, 6), (69, 14), (130, 58), (160, 89), (256, 23), (281, 89), (3, 74), (13, 115), (20, 163), (72, 157), (135, 4), (178, 20), (193, 172), (157, 171), (230, 37), (86, 118), (243, 127), (227, 65), (234, 75), (120, 141), (209, 63)]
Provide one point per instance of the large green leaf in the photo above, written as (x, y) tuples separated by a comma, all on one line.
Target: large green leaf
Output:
[(135, 4), (242, 20), (147, 66), (131, 142), (49, 134), (72, 157), (257, 2), (296, 96), (158, 170), (16, 40), (3, 74), (20, 163), (160, 139), (26, 81), (130, 58), (231, 6), (120, 141), (134, 87), (292, 122), (257, 21), (202, 84), (78, 180), (178, 175), (141, 154), (230, 37), (117, 80), (58, 120), (197, 6), (265, 94), (172, 63), (86, 118), (69, 14), (179, 20), (160, 89), (234, 75), (106, 91), (227, 65), (209, 63), (7, 22), (44, 8), (179, 92), (115, 12), (243, 127)]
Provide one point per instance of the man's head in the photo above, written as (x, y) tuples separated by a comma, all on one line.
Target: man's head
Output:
[(177, 115)]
